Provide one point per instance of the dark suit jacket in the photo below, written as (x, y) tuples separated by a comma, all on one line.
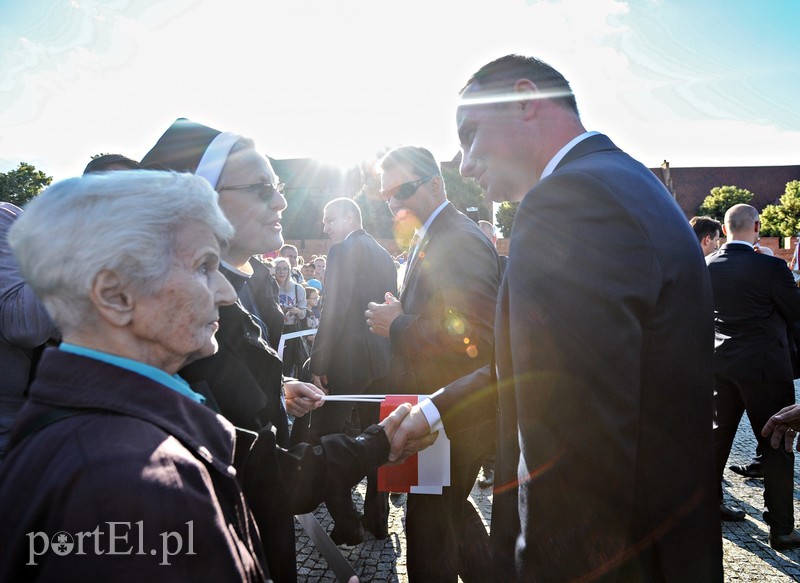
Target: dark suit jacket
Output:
[(754, 297), (359, 271), (448, 295), (604, 361)]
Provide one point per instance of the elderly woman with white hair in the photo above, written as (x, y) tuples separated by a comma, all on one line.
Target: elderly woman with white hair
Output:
[(116, 469), (111, 446)]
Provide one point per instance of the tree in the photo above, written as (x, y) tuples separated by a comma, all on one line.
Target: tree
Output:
[(721, 199), (20, 185), (505, 217), (465, 193), (783, 219)]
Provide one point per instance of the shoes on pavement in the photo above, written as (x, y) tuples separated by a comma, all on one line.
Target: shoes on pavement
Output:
[(487, 480), (730, 513), (347, 537), (784, 541), (378, 531), (748, 471)]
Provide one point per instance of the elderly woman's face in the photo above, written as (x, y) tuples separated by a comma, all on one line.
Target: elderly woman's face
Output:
[(257, 221), (177, 324)]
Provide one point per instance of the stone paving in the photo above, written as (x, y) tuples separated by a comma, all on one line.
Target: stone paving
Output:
[(747, 555)]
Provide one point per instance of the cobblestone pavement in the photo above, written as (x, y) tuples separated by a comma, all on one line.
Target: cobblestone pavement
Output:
[(746, 552)]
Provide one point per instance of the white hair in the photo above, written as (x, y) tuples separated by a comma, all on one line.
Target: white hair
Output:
[(124, 221)]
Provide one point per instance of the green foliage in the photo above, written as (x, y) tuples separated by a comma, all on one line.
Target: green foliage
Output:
[(20, 185), (465, 193), (505, 217), (721, 199), (783, 219)]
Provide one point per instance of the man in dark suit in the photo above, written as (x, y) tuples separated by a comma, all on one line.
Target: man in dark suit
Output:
[(754, 298), (346, 358), (603, 349), (440, 329)]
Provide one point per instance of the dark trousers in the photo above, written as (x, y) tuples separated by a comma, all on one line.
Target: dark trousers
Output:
[(445, 536), (334, 418), (761, 400)]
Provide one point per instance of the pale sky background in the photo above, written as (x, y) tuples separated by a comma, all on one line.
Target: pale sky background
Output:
[(695, 82)]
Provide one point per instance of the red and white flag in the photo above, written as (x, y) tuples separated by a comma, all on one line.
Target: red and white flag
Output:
[(425, 472)]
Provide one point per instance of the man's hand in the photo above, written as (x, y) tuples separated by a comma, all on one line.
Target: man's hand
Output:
[(393, 420), (321, 383), (413, 435), (380, 316), (302, 397), (783, 426)]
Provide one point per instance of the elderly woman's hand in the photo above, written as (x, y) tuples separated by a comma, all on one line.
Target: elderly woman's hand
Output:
[(302, 397)]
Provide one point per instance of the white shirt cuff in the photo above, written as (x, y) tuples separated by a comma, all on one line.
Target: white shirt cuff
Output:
[(431, 413)]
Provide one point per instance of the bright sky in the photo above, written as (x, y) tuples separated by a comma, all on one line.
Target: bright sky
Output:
[(695, 82)]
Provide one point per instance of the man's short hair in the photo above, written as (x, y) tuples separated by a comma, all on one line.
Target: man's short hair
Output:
[(106, 161), (498, 77), (346, 206), (705, 226), (740, 217), (415, 159), (287, 246)]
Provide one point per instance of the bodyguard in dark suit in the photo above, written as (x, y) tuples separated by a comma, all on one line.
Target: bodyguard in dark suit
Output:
[(346, 358), (440, 329), (754, 298), (603, 343)]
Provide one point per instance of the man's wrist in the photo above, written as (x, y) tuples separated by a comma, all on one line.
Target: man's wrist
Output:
[(431, 413)]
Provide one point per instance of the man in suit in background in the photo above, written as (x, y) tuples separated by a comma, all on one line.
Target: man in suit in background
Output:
[(440, 329), (346, 358), (708, 232), (754, 298), (603, 348)]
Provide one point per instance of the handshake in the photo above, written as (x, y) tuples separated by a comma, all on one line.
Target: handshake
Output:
[(408, 432), (406, 427)]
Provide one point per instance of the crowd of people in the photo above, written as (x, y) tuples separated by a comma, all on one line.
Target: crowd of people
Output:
[(177, 378)]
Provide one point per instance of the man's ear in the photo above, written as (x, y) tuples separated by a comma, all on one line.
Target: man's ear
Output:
[(724, 230), (112, 298), (526, 94)]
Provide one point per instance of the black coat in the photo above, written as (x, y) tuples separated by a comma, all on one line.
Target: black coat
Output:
[(243, 381), (604, 361), (136, 452), (358, 271), (755, 298)]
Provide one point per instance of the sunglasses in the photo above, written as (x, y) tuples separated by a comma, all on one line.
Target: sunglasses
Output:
[(405, 190), (265, 190)]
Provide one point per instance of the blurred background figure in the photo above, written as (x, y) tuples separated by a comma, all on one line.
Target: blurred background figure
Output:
[(25, 327)]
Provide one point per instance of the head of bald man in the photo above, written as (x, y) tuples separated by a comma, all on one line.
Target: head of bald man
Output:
[(742, 223)]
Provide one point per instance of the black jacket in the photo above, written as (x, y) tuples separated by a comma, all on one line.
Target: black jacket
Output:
[(358, 271)]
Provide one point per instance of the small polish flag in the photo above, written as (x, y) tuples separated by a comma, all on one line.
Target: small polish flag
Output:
[(425, 472)]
